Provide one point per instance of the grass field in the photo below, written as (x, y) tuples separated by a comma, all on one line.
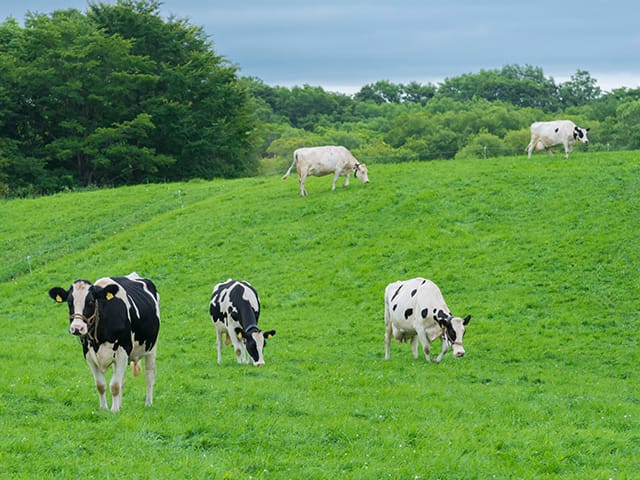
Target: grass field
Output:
[(544, 254)]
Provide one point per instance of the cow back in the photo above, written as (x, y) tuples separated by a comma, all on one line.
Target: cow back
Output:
[(142, 308)]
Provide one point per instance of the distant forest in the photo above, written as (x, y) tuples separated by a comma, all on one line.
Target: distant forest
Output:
[(118, 96)]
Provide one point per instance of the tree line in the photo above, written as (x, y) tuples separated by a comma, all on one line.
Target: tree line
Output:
[(119, 95)]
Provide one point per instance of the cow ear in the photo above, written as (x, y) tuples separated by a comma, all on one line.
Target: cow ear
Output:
[(466, 320), (587, 129), (239, 333), (269, 334), (106, 293), (111, 290), (58, 294)]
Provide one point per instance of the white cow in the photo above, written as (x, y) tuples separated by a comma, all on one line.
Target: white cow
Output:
[(415, 310), (545, 135), (320, 161)]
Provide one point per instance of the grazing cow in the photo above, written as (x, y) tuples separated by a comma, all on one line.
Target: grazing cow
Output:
[(234, 311), (415, 310), (117, 320), (545, 135), (320, 161)]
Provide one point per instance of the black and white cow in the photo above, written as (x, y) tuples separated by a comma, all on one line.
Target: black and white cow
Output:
[(545, 135), (234, 311), (117, 320), (415, 310)]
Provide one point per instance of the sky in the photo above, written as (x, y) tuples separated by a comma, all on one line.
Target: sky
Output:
[(342, 45)]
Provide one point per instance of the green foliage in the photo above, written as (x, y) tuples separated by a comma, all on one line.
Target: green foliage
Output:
[(384, 91), (542, 253), (521, 86), (580, 90), (119, 96), (482, 145), (628, 124)]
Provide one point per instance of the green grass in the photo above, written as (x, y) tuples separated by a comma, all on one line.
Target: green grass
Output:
[(544, 254)]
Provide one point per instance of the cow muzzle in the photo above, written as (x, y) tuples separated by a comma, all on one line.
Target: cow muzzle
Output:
[(78, 329), (458, 350), (80, 324)]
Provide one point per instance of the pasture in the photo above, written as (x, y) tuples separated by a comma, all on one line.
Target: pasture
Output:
[(543, 253)]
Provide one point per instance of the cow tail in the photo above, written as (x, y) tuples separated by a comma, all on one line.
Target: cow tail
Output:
[(295, 159)]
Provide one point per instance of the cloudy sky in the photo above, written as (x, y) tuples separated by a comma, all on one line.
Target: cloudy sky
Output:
[(342, 45)]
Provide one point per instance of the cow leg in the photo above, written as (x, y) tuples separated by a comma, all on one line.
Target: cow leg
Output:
[(116, 385), (239, 349), (101, 383), (335, 180), (414, 346), (346, 180), (150, 375), (424, 341), (387, 334), (531, 146), (445, 349), (219, 335), (302, 177)]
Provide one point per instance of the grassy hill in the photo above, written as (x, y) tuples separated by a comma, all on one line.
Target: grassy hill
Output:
[(543, 254)]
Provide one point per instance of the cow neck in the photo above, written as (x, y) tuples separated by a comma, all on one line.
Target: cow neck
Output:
[(251, 328)]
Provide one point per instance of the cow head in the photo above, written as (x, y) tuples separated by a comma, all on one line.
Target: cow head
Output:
[(453, 330), (361, 173), (580, 134), (254, 341), (82, 298)]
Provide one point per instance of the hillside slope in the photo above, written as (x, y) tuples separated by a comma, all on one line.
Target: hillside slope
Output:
[(543, 254)]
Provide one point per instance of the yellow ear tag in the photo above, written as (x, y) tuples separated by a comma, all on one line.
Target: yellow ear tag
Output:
[(58, 299), (239, 335), (109, 296)]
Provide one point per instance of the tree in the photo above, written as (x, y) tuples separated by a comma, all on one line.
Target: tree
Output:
[(521, 86), (627, 125), (201, 111), (383, 91), (581, 89), (118, 96)]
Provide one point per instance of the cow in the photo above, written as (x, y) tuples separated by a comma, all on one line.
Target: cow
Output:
[(415, 310), (117, 320), (320, 161), (545, 135), (234, 310)]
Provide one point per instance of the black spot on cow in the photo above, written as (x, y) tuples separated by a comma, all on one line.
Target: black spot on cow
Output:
[(413, 292), (394, 307), (423, 282), (556, 130), (451, 333), (408, 312), (424, 312), (397, 292)]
